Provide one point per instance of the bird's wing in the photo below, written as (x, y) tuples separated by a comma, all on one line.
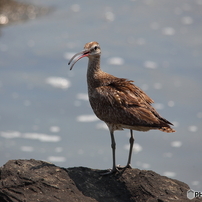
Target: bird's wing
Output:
[(122, 97), (122, 93)]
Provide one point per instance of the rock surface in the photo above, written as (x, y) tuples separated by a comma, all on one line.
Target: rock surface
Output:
[(32, 180)]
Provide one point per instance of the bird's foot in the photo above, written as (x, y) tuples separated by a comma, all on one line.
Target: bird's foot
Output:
[(110, 171), (124, 167), (116, 169)]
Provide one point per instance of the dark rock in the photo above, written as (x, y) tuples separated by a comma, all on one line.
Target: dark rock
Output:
[(31, 181)]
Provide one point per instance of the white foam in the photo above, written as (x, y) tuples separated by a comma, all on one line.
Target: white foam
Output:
[(82, 96), (27, 149), (169, 174), (193, 128), (35, 136), (168, 155), (109, 16), (136, 147), (42, 137), (115, 61), (10, 134), (187, 20), (102, 126), (143, 165), (150, 64), (54, 129), (75, 8), (171, 103), (158, 106), (168, 31), (87, 118), (58, 82), (146, 165), (176, 144), (56, 159)]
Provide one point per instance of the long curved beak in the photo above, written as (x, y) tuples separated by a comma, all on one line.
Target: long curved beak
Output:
[(81, 54)]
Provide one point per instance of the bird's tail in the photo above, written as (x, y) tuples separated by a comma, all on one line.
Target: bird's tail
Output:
[(167, 129)]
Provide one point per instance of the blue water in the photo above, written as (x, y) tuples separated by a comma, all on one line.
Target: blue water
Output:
[(44, 110)]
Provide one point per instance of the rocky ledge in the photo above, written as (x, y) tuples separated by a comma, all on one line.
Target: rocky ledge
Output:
[(32, 180)]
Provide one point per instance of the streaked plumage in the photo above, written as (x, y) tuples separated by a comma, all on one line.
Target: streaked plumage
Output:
[(118, 102)]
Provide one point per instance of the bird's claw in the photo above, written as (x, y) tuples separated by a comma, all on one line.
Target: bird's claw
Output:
[(116, 169), (123, 167), (110, 171)]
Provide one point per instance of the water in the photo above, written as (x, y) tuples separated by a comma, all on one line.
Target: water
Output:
[(44, 109)]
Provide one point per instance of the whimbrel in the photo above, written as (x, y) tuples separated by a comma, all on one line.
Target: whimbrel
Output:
[(118, 102)]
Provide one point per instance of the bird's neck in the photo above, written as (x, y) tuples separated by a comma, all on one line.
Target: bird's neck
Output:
[(94, 65), (94, 72)]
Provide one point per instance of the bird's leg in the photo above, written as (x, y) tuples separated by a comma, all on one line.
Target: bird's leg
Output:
[(113, 146), (131, 140)]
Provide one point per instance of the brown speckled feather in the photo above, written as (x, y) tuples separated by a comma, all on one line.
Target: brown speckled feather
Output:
[(119, 101)]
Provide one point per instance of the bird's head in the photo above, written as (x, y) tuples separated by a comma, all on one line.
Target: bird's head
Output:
[(91, 49)]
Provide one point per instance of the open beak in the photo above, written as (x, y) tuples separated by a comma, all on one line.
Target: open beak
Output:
[(81, 54)]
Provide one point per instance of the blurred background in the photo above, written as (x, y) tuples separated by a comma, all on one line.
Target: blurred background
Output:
[(44, 108)]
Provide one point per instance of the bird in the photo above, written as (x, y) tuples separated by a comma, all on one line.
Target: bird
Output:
[(118, 102)]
